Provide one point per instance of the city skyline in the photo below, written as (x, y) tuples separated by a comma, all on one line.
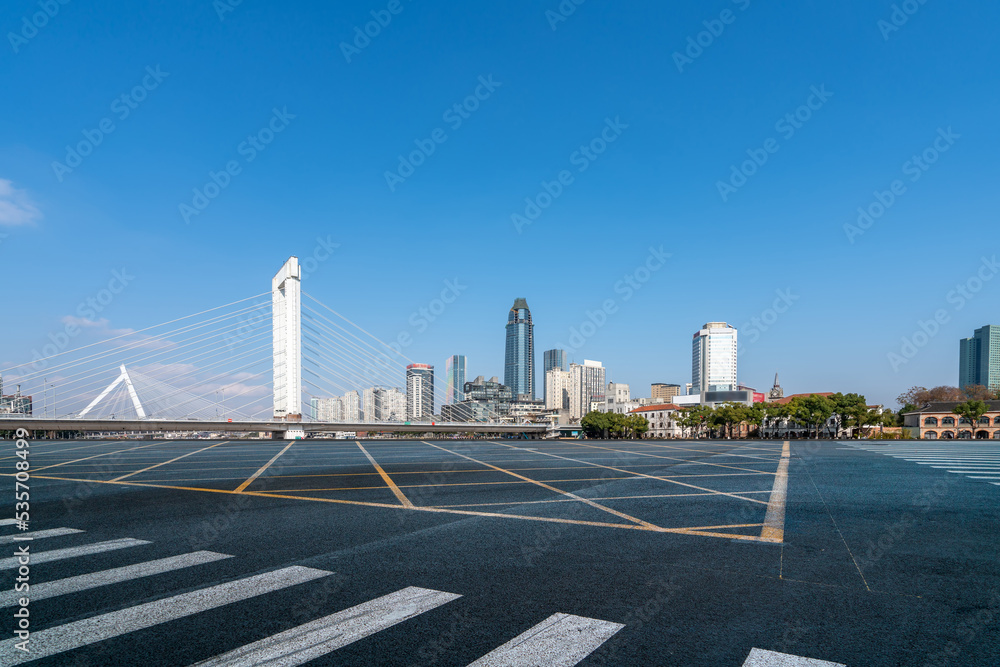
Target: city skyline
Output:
[(101, 241)]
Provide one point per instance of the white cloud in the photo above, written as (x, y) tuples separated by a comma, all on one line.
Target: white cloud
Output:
[(15, 206)]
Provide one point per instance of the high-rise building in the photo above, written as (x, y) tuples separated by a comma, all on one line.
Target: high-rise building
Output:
[(369, 404), (352, 406), (327, 409), (587, 386), (713, 358), (519, 354), (419, 392), (979, 358), (557, 389), (552, 359), (391, 405), (454, 370), (664, 392)]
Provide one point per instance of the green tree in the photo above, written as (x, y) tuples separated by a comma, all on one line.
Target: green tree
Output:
[(754, 415), (849, 410), (636, 425), (694, 419), (595, 424), (812, 410), (775, 413), (971, 410), (727, 416)]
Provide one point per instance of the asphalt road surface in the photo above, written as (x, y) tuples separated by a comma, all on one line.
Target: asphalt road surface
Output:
[(505, 552)]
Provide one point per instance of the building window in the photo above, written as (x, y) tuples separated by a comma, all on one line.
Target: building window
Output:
[(948, 421), (984, 420), (931, 435), (948, 435), (931, 421), (965, 435)]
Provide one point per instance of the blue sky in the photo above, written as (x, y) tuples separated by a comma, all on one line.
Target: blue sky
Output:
[(554, 86)]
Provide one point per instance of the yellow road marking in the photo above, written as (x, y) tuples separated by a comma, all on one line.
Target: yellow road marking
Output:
[(671, 458), (552, 488), (56, 465), (774, 521), (570, 500), (385, 477), (642, 474), (264, 467), (118, 479), (416, 508)]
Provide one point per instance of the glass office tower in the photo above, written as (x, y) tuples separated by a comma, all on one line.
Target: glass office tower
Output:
[(519, 355), (454, 370)]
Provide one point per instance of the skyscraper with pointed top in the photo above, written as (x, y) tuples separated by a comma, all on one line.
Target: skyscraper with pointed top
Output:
[(519, 355)]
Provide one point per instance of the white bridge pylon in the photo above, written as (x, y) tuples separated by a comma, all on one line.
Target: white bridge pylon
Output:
[(286, 304), (124, 377)]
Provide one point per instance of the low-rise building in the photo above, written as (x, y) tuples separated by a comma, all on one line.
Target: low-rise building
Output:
[(662, 420), (936, 421)]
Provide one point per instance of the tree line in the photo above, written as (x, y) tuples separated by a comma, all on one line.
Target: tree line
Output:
[(821, 416)]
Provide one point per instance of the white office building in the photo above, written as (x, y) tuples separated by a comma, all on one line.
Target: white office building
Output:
[(352, 406), (327, 409), (558, 385), (393, 405), (713, 358), (587, 386)]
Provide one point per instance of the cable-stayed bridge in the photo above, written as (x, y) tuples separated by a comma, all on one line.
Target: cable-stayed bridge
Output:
[(270, 362)]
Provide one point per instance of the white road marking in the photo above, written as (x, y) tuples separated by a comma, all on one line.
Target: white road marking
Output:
[(51, 589), (38, 535), (970, 461), (307, 642), (561, 640), (761, 658), (98, 628), (61, 554), (7, 522)]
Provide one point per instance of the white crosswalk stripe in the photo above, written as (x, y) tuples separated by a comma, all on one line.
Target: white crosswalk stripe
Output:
[(761, 658), (117, 575), (74, 552), (99, 628), (561, 640), (317, 638), (973, 460), (38, 535)]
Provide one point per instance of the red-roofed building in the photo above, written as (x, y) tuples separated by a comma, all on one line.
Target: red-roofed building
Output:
[(662, 420), (788, 399)]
